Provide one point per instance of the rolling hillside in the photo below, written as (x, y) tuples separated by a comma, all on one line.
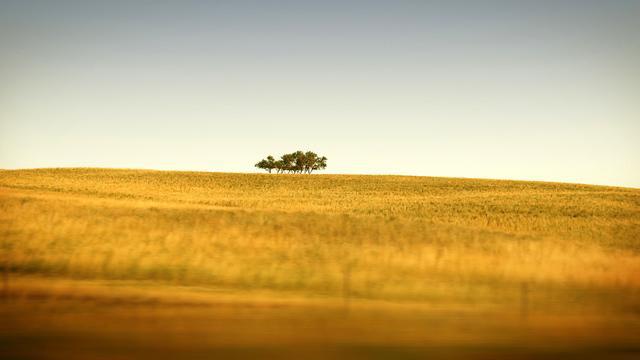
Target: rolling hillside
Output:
[(111, 261)]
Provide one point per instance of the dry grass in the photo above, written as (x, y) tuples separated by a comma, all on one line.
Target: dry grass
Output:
[(561, 256)]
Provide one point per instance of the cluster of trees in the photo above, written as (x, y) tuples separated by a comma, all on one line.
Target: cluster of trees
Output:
[(295, 162)]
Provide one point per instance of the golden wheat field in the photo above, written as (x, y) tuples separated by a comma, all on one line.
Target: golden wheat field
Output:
[(124, 264)]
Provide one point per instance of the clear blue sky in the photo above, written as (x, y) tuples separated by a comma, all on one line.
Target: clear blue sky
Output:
[(540, 90)]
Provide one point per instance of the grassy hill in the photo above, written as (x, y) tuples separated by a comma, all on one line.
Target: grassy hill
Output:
[(331, 265)]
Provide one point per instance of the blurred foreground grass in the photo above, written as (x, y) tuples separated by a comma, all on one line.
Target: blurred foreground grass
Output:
[(129, 263)]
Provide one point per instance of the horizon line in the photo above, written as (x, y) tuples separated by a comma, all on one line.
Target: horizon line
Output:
[(317, 173)]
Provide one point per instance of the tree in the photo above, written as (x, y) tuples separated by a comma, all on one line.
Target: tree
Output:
[(262, 164), (279, 166), (288, 162), (310, 159), (267, 164), (320, 164), (297, 162), (271, 163)]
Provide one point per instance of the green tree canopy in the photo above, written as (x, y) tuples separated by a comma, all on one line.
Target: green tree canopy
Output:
[(297, 162)]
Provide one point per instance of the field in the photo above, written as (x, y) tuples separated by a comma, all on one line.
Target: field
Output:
[(123, 264)]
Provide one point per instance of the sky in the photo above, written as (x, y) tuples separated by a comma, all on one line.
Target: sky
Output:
[(529, 90)]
